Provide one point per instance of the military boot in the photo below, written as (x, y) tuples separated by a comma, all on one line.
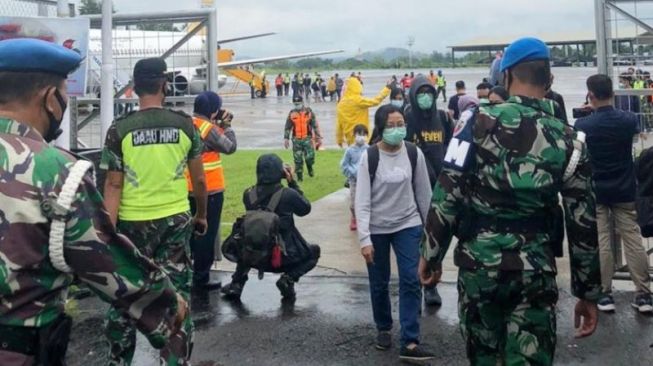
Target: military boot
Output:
[(286, 286), (311, 173), (300, 176), (232, 291)]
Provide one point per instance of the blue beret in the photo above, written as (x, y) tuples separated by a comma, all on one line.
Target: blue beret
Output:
[(207, 103), (523, 50), (35, 55)]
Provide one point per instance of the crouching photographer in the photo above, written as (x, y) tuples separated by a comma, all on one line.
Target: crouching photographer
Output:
[(266, 237)]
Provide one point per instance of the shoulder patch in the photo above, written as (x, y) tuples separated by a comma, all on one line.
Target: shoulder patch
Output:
[(460, 151)]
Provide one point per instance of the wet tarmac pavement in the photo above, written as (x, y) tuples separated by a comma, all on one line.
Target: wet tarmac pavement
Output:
[(331, 324)]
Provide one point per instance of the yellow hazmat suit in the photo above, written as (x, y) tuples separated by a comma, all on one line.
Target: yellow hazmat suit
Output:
[(353, 109)]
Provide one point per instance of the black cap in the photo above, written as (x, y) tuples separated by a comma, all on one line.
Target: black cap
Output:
[(297, 99), (150, 68)]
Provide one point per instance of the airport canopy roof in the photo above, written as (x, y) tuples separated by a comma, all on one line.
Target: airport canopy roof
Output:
[(626, 34)]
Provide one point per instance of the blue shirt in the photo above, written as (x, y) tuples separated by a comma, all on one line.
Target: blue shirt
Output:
[(609, 140), (351, 160)]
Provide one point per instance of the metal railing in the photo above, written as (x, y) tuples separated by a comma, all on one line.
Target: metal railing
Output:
[(31, 8), (85, 129)]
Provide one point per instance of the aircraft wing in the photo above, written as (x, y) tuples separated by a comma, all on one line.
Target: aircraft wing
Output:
[(229, 40), (276, 58)]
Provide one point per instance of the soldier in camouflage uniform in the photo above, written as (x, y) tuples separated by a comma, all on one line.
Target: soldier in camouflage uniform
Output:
[(146, 154), (33, 253), (302, 127), (498, 191)]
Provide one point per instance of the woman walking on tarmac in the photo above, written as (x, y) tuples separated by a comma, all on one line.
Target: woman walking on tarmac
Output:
[(390, 171)]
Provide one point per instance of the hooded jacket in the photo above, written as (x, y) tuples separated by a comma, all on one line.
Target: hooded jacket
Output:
[(353, 109), (269, 173), (431, 130)]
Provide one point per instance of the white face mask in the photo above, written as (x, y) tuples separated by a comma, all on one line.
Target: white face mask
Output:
[(361, 140)]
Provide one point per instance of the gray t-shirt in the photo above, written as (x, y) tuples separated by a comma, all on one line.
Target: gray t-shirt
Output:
[(391, 205)]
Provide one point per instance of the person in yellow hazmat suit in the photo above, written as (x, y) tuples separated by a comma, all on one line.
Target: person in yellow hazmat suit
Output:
[(353, 110)]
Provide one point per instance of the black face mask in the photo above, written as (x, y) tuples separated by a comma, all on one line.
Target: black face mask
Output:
[(53, 130)]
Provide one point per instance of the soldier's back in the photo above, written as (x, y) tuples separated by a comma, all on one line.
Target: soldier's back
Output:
[(521, 154)]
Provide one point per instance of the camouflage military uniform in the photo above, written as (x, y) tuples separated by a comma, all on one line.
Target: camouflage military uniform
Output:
[(302, 127), (33, 292), (513, 170), (166, 242), (164, 239)]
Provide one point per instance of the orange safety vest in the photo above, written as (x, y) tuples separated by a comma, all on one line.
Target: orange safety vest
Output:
[(300, 121), (211, 160)]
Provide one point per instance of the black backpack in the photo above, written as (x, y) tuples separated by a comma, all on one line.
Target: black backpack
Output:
[(644, 200), (255, 235)]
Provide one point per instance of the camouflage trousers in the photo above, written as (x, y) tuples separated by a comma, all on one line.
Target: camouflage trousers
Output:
[(302, 149), (508, 317), (166, 241)]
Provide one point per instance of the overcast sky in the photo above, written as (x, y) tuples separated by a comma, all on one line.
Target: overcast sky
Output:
[(309, 25)]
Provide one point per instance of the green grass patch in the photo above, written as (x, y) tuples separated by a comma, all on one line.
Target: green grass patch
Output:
[(240, 173)]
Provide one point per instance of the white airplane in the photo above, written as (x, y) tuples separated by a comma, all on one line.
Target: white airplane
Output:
[(187, 64)]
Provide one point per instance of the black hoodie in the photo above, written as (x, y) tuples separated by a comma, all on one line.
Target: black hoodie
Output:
[(431, 130)]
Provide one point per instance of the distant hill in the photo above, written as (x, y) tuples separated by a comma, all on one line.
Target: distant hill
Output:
[(388, 54)]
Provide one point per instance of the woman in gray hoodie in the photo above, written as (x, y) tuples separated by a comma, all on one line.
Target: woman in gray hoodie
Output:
[(392, 201)]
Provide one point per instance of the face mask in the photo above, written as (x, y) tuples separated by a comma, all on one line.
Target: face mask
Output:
[(299, 105), (394, 136), (53, 130), (425, 101), (397, 103), (361, 140)]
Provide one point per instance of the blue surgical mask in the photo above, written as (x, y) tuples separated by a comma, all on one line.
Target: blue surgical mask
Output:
[(394, 136), (299, 105), (425, 101), (397, 103)]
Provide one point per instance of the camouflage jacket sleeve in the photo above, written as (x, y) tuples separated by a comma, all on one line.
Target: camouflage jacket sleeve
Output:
[(445, 206), (112, 266), (221, 141), (580, 214), (313, 125), (287, 131), (197, 146), (112, 151)]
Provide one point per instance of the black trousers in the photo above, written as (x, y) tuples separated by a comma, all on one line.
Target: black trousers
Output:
[(294, 270), (202, 248)]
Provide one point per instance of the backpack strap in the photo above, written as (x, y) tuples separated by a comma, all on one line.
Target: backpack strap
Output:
[(60, 213), (412, 156), (274, 200), (372, 162), (252, 196)]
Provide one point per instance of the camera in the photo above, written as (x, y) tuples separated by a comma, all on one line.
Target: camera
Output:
[(581, 112)]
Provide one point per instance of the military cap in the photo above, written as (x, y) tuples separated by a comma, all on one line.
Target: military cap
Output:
[(150, 68), (35, 55), (524, 50)]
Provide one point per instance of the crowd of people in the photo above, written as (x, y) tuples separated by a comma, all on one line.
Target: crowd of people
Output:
[(304, 85), (503, 171)]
